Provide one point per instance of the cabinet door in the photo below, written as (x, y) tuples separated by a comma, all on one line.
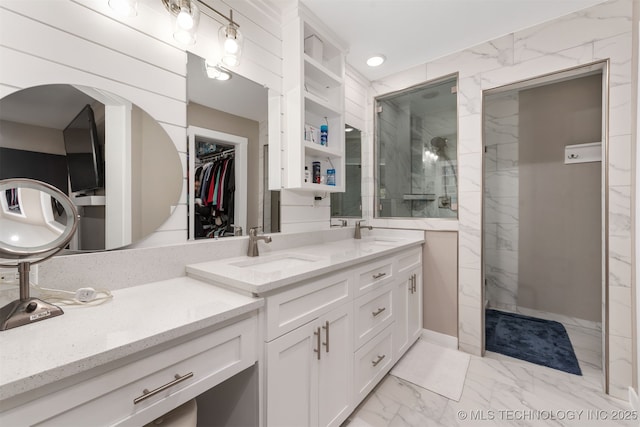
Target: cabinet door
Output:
[(401, 306), (408, 311), (292, 378), (414, 306), (335, 380)]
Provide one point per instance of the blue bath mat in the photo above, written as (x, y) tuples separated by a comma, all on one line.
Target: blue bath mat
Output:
[(539, 341)]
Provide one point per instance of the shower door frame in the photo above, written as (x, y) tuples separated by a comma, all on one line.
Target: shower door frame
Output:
[(555, 77)]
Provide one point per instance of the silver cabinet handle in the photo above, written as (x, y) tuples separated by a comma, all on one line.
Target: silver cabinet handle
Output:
[(415, 283), (147, 394), (317, 334), (411, 284), (326, 328), (379, 275), (378, 360), (378, 311)]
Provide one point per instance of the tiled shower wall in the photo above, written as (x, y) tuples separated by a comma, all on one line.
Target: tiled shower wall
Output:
[(599, 33), (501, 201)]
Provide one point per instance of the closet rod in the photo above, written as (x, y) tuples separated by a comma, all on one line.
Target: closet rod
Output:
[(215, 156)]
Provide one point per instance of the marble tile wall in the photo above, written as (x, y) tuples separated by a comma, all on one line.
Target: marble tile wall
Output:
[(599, 33), (501, 196)]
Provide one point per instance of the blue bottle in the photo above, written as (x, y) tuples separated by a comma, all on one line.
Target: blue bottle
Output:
[(324, 134)]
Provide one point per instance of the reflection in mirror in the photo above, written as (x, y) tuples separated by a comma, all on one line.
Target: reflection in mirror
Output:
[(36, 221), (416, 152), (34, 218), (60, 134), (227, 127), (349, 203)]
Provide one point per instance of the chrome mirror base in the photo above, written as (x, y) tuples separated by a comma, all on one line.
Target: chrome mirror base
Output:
[(24, 312)]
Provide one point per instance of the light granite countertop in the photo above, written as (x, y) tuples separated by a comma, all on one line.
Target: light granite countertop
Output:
[(86, 337), (272, 271)]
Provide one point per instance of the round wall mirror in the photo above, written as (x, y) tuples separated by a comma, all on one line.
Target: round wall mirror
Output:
[(115, 162), (35, 218), (36, 221)]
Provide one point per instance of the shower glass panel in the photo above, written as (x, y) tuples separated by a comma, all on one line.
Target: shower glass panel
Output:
[(349, 203), (416, 152)]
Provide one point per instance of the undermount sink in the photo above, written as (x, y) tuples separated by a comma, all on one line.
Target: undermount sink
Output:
[(380, 241), (276, 262)]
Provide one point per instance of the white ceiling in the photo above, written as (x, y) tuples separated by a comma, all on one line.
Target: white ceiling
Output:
[(412, 32)]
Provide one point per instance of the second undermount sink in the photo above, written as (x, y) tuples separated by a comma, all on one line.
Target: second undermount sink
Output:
[(278, 262)]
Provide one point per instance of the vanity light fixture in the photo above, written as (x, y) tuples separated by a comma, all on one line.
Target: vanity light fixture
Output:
[(216, 72), (187, 16), (376, 60), (231, 42), (124, 7), (348, 128)]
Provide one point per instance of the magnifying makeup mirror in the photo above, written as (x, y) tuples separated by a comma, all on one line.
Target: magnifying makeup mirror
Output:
[(36, 221)]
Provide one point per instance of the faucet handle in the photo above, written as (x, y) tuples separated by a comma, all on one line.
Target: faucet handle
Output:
[(237, 230), (253, 231)]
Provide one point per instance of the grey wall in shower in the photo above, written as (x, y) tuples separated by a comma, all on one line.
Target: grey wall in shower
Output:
[(559, 244)]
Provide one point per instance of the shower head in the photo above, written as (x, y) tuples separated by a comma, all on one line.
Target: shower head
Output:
[(438, 142)]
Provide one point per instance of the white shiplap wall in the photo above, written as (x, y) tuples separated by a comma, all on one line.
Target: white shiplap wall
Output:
[(83, 42)]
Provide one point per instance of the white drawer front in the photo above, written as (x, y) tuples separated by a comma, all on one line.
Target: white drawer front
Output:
[(293, 308), (373, 312), (373, 276), (408, 260), (372, 362), (108, 399)]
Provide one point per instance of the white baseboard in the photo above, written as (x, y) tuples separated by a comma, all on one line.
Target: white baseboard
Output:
[(441, 339), (634, 400)]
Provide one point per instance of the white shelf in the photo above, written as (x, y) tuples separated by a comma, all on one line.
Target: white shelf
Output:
[(89, 200), (322, 188), (314, 87), (321, 150), (321, 74)]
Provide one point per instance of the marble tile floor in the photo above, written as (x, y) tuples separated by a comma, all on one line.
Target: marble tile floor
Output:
[(502, 391)]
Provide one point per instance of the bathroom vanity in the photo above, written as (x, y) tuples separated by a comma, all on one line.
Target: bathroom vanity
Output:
[(324, 323), (337, 317), (178, 337)]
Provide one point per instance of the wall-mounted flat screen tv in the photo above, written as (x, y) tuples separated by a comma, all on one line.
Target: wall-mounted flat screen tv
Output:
[(84, 158)]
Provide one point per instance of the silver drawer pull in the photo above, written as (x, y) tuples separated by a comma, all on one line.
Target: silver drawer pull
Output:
[(378, 360), (379, 275), (378, 311), (147, 394)]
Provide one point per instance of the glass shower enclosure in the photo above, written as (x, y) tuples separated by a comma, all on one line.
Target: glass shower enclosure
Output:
[(416, 152)]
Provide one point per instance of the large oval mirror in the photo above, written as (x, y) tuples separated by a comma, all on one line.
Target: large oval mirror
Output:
[(116, 163)]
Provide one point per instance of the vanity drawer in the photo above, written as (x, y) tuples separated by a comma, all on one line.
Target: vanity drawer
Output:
[(373, 275), (290, 309), (108, 399), (372, 362), (406, 261), (373, 311)]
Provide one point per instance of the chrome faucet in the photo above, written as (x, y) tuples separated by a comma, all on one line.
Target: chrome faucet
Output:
[(253, 241), (358, 235), (343, 223)]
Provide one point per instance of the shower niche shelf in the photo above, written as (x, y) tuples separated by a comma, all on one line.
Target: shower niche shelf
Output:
[(313, 83)]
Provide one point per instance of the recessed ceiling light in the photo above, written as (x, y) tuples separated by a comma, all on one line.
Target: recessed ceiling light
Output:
[(348, 128), (376, 60)]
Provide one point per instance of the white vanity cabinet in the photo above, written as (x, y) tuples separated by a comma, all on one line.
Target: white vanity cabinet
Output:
[(309, 372), (146, 386), (309, 349), (331, 339), (408, 301)]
